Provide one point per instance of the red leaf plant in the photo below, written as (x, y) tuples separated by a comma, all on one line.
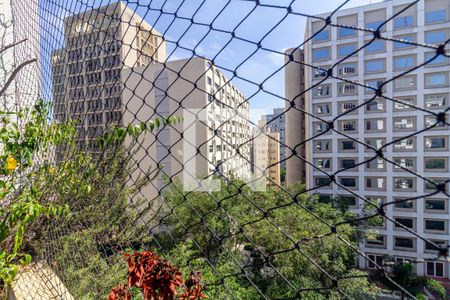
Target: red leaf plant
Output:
[(120, 292), (157, 279)]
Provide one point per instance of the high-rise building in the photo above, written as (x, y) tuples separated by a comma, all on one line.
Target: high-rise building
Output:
[(19, 48), (87, 72), (367, 123), (294, 115), (215, 122), (266, 153), (276, 121)]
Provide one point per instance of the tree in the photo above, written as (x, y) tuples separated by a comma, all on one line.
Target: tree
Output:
[(404, 275), (34, 188), (283, 240)]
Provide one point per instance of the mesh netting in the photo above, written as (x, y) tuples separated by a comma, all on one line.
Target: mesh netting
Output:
[(325, 198)]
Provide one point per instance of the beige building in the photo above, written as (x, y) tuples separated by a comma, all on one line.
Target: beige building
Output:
[(212, 139), (406, 130), (266, 155), (294, 73), (87, 73)]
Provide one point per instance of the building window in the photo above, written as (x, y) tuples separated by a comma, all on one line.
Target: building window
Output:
[(404, 204), (324, 198), (375, 261), (431, 184), (433, 60), (435, 37), (345, 88), (404, 103), (347, 69), (348, 126), (404, 123), (407, 144), (435, 225), (322, 145), (405, 83), (404, 243), (347, 145), (374, 66), (321, 36), (321, 53), (375, 143), (322, 109), (404, 184), (404, 62), (435, 16), (435, 164), (322, 182), (432, 122), (373, 85), (375, 46), (347, 49), (436, 205), (404, 43), (319, 73), (403, 22), (402, 163), (375, 25), (376, 183), (323, 90), (435, 101), (377, 164), (346, 32), (433, 80), (407, 222), (347, 106), (376, 105), (347, 163), (376, 241), (346, 200), (429, 247), (349, 182), (375, 125), (323, 163), (435, 143), (320, 127), (435, 269)]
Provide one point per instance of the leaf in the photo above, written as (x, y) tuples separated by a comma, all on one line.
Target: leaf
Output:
[(25, 260)]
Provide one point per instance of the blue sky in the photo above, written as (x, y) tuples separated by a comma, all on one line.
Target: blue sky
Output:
[(273, 27)]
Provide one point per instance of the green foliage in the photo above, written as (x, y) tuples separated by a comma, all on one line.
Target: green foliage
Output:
[(22, 203), (99, 229), (436, 287), (404, 275), (34, 188), (219, 232)]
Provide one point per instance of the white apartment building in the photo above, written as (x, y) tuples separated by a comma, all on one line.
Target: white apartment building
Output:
[(87, 82), (19, 44), (213, 109), (381, 121)]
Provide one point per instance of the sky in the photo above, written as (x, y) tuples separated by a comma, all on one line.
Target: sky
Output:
[(272, 27)]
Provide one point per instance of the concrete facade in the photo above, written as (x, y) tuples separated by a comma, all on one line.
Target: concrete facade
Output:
[(87, 80), (216, 109), (266, 154), (276, 121), (294, 117), (378, 121)]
